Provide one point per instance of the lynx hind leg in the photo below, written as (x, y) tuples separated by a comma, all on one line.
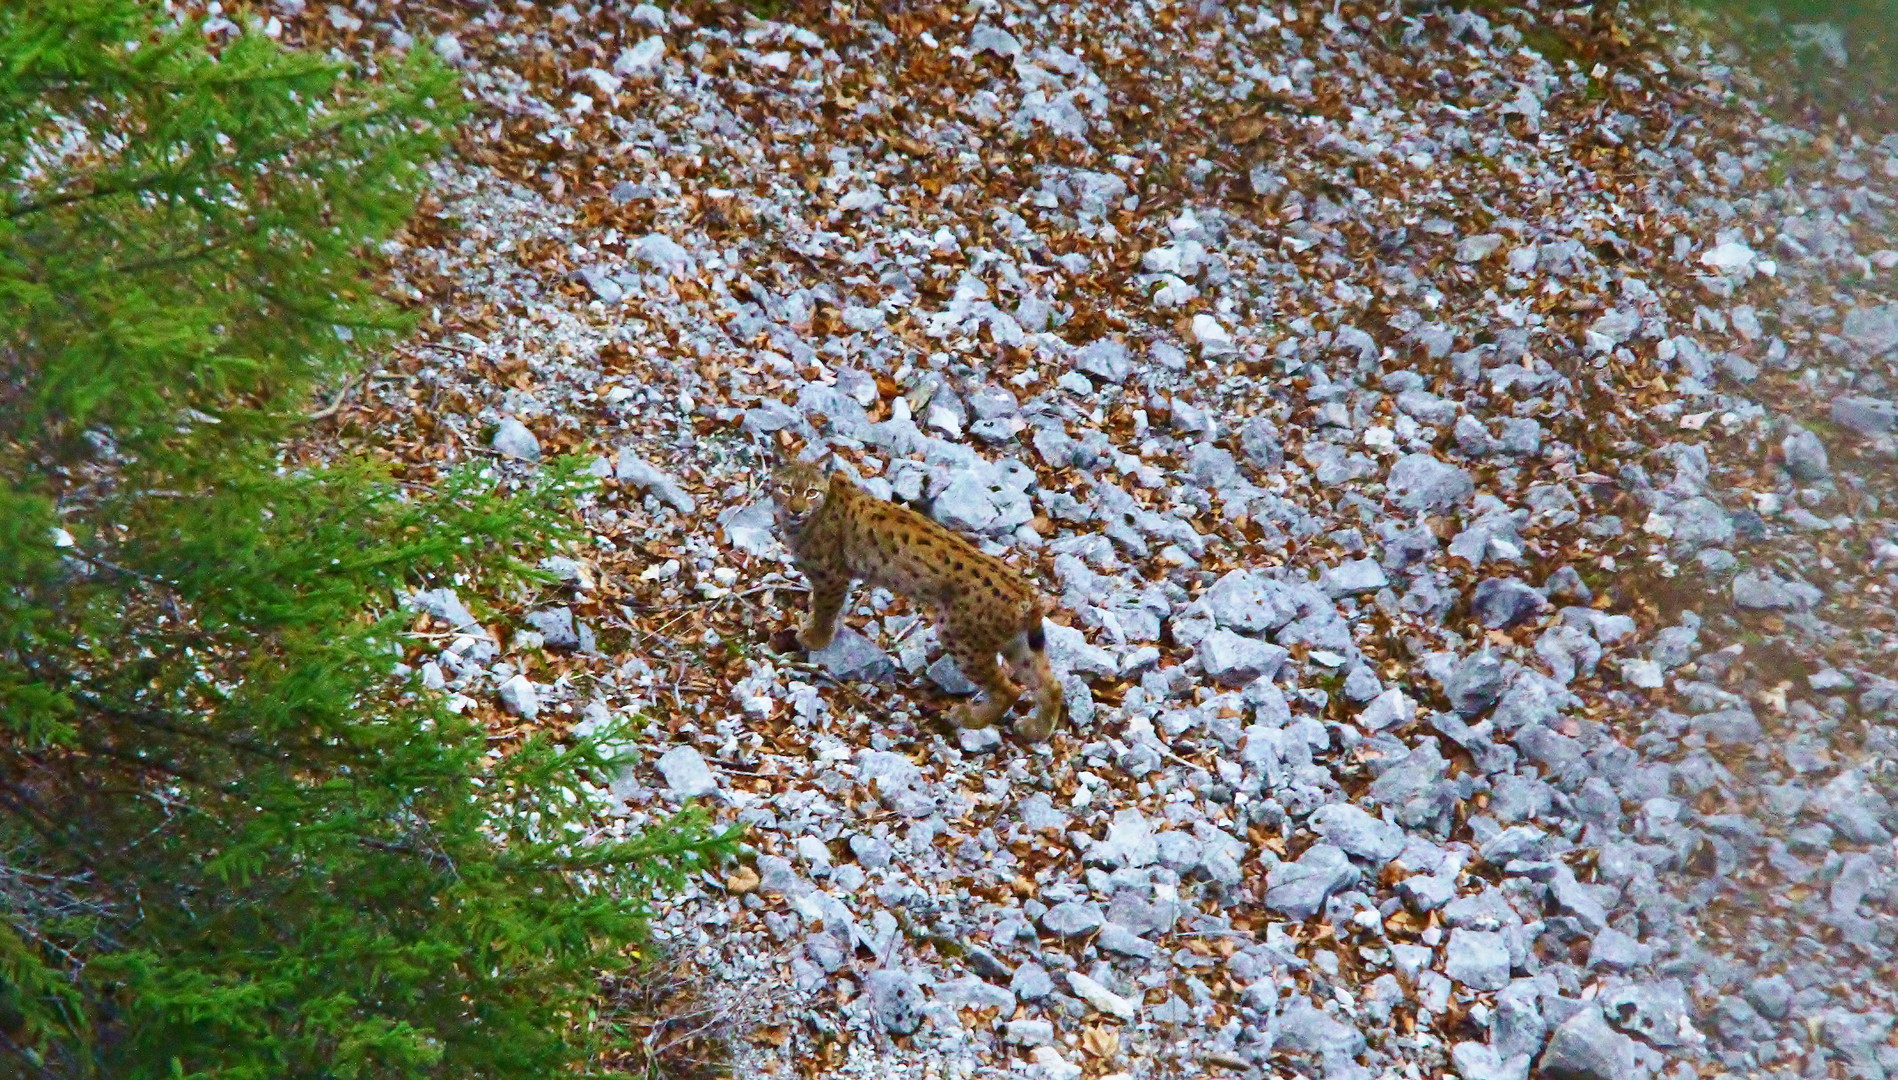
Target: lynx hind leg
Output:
[(979, 666), (827, 601), (1031, 664)]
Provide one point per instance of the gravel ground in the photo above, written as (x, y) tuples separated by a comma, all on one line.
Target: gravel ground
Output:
[(1462, 442)]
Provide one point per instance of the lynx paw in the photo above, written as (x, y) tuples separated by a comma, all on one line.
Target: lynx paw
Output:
[(965, 716), (1038, 727), (814, 638), (1048, 710)]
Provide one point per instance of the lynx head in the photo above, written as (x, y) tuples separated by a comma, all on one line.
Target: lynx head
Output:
[(797, 490)]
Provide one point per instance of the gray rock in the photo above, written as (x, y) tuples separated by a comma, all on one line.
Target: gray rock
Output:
[(443, 604), (1038, 813), (1073, 918), (1805, 455), (871, 853), (1480, 1061), (555, 626), (1352, 578), (970, 992), (1250, 604), (1855, 808), (945, 674), (1830, 681), (1584, 1047), (979, 740), (686, 773), (1390, 709), (1566, 584), (1140, 916), (1675, 645), (896, 781), (1873, 329), (1118, 939), (1521, 436), (994, 403), (1105, 358), (1234, 660), (1700, 522), (602, 285), (1501, 603), (1868, 416), (1357, 832), (1427, 407), (1656, 1012), (1728, 727), (1568, 652), (1361, 685), (1772, 996), (1421, 484), (965, 504), (895, 1000), (986, 38), (776, 875), (1260, 442), (1477, 958), (850, 655), (1515, 842), (823, 949), (886, 768), (1862, 1040), (512, 439), (1130, 842), (1427, 892), (1298, 889), (1304, 1028), (518, 697), (1760, 591), (1515, 798), (1477, 248), (1029, 1032), (1587, 903), (1489, 756), (663, 254), (1031, 982), (1213, 466), (1069, 652), (1100, 997), (1415, 787), (1475, 683), (1472, 437), (1518, 1026), (640, 473), (1615, 951), (984, 963)]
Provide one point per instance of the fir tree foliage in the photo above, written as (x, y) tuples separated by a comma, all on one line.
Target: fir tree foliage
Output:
[(232, 843)]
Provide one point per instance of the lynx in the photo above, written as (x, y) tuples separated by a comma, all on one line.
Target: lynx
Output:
[(838, 533)]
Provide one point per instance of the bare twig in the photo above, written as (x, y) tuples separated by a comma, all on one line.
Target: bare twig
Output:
[(336, 402)]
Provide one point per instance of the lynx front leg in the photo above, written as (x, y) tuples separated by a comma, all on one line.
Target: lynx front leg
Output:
[(827, 600)]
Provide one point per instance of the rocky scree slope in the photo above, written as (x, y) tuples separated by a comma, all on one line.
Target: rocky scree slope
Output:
[(1462, 442)]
